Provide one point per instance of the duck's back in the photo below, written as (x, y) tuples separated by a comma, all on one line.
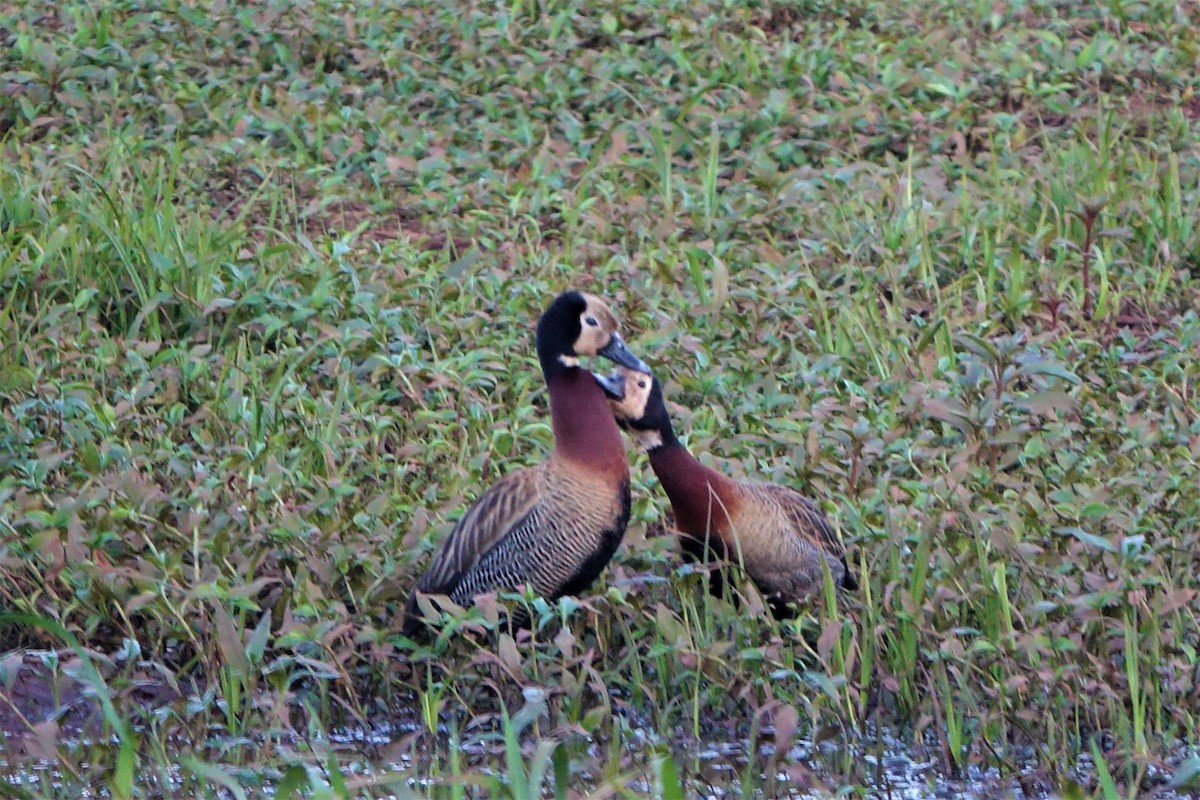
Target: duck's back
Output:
[(787, 541)]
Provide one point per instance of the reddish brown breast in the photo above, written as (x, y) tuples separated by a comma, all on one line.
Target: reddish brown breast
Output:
[(584, 429), (703, 499)]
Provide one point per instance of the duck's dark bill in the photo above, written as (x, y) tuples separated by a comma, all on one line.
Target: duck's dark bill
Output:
[(613, 385), (616, 351)]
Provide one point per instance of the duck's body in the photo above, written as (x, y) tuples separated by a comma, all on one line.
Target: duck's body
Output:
[(780, 538), (556, 525)]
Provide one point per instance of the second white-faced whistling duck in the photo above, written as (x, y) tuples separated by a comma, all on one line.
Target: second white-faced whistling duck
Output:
[(556, 525), (782, 540)]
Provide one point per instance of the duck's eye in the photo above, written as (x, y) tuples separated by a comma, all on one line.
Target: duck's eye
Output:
[(591, 321), (641, 384)]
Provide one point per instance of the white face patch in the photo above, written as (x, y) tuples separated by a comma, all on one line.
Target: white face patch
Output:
[(591, 336), (596, 326), (628, 409), (648, 440), (570, 361), (636, 396)]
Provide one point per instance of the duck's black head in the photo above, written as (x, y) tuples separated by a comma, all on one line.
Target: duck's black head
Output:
[(578, 324)]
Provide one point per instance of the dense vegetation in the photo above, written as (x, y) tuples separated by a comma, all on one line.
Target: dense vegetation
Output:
[(268, 273)]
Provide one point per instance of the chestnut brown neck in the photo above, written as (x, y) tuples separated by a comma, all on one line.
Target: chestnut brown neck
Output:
[(584, 429), (701, 497)]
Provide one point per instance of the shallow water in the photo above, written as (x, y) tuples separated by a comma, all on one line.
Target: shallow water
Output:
[(715, 772), (886, 765)]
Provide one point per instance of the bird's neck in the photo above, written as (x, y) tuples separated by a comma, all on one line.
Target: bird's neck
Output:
[(702, 498), (584, 429)]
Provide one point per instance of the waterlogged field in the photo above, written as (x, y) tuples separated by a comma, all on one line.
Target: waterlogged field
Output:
[(268, 275)]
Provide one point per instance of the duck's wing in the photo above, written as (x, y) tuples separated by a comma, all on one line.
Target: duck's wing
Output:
[(810, 524), (808, 520), (494, 514)]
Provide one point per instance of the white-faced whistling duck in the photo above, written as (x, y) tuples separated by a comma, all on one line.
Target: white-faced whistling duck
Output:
[(556, 525), (782, 540)]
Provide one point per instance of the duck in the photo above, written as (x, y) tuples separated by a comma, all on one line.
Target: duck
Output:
[(553, 526), (783, 541)]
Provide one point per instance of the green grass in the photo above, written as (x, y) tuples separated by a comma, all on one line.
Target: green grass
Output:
[(268, 275)]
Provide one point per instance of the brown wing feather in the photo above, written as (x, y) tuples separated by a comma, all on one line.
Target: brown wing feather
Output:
[(493, 514), (809, 520)]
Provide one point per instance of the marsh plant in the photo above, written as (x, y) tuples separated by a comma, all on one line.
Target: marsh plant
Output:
[(268, 274)]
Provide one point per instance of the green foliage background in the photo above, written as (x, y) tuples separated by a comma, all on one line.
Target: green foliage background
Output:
[(268, 273)]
